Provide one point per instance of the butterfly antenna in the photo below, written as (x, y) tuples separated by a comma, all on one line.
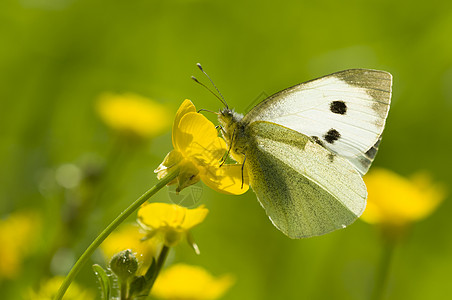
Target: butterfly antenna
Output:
[(222, 98), (202, 109), (202, 84)]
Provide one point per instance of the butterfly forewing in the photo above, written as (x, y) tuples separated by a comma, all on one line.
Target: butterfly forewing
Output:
[(344, 112)]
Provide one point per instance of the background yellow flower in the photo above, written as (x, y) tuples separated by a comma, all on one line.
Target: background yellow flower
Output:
[(185, 282), (48, 289), (396, 201), (170, 221), (18, 237), (133, 114)]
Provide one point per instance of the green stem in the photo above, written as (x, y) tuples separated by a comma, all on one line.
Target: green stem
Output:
[(104, 234), (153, 272), (383, 270), (160, 262), (124, 290)]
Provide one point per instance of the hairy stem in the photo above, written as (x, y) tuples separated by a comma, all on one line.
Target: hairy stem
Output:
[(106, 232)]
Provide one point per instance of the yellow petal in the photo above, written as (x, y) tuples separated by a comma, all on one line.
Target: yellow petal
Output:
[(186, 107), (178, 229), (154, 216), (171, 160), (188, 175), (226, 179), (194, 217), (184, 282), (197, 138), (428, 190), (157, 215), (397, 201)]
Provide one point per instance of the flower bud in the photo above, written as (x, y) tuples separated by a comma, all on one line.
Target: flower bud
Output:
[(124, 264)]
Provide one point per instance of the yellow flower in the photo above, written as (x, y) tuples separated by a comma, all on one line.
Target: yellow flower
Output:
[(394, 202), (49, 288), (197, 154), (18, 233), (129, 237), (134, 115), (184, 282), (170, 222)]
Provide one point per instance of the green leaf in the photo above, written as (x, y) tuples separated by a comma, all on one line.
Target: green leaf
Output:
[(104, 281), (150, 273), (138, 287)]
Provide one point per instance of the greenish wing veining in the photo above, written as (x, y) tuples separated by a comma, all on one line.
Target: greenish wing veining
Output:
[(303, 192)]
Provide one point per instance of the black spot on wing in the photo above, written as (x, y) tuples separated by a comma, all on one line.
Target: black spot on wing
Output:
[(331, 157), (332, 135), (338, 107), (317, 140)]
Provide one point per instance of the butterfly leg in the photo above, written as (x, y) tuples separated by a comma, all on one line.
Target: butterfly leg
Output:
[(223, 160), (243, 166)]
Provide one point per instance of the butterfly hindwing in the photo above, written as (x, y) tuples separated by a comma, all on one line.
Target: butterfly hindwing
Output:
[(304, 188), (344, 112)]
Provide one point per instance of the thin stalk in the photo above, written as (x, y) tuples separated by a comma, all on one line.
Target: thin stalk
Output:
[(160, 262), (382, 275), (104, 234)]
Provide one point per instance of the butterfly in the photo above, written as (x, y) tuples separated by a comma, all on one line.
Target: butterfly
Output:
[(306, 148)]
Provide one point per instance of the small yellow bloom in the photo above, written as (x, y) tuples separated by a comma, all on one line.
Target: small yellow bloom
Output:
[(197, 153), (134, 115), (130, 237), (170, 222), (394, 202), (184, 282), (18, 234), (49, 288)]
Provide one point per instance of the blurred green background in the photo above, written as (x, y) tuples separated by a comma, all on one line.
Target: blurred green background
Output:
[(58, 56)]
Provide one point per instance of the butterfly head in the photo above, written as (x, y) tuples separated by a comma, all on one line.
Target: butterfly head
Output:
[(229, 121), (228, 117)]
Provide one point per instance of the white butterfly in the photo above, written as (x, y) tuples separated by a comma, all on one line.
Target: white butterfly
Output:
[(306, 148)]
